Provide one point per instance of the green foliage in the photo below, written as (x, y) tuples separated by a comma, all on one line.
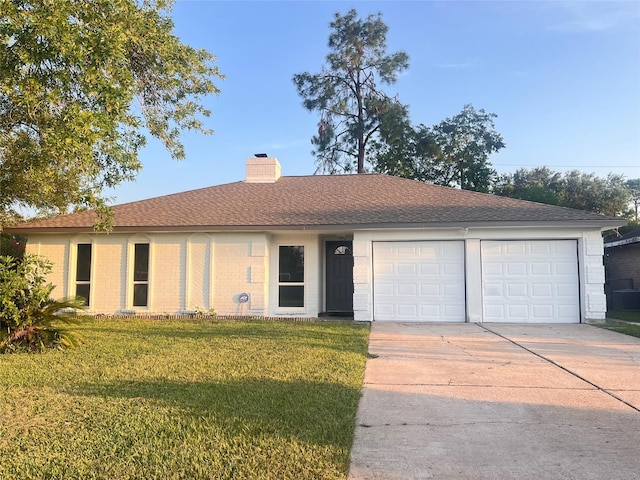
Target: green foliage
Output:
[(194, 399), (633, 186), (539, 184), (12, 245), (352, 107), (466, 141), (454, 152), (574, 189), (29, 319), (79, 83)]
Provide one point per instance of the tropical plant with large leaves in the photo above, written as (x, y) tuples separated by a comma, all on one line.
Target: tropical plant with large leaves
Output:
[(30, 320)]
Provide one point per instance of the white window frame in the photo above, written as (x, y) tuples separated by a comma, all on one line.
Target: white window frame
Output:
[(73, 269), (131, 273), (292, 284)]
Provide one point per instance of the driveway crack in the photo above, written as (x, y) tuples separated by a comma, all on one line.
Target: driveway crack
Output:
[(570, 372)]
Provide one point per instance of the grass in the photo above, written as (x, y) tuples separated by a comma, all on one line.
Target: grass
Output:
[(627, 322), (148, 399), (628, 316)]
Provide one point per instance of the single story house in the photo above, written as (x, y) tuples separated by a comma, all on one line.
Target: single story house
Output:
[(380, 247)]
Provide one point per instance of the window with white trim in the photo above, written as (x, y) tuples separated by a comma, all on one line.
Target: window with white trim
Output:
[(141, 275), (291, 276), (83, 271)]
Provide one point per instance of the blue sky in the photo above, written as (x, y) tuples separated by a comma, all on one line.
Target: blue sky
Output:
[(563, 78)]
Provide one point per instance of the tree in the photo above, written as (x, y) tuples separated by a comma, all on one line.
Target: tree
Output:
[(539, 184), (454, 152), (466, 141), (352, 107), (79, 84), (633, 186), (586, 191), (574, 189)]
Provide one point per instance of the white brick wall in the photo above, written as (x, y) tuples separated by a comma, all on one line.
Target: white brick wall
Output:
[(595, 305), (108, 273), (57, 251), (235, 272), (189, 271), (167, 274)]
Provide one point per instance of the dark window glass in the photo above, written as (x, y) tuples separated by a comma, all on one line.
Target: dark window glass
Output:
[(83, 267), (140, 291), (291, 264), (141, 263), (290, 272), (291, 296), (83, 271), (83, 290)]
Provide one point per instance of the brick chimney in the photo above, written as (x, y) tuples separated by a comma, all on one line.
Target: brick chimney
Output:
[(262, 169)]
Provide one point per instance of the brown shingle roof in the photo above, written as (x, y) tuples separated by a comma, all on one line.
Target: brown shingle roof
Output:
[(315, 202)]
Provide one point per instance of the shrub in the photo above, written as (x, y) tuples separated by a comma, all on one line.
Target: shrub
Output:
[(13, 245), (29, 319)]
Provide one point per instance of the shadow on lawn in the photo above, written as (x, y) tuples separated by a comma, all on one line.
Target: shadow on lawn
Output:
[(314, 412)]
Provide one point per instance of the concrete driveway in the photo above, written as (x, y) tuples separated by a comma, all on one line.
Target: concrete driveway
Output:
[(496, 401)]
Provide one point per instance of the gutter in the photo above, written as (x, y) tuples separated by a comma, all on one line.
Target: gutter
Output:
[(603, 224), (619, 243)]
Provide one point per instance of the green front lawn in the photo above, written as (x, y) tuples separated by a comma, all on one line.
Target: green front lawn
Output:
[(619, 321), (149, 399)]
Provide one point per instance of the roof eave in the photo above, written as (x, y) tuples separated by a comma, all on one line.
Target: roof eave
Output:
[(602, 224), (620, 243)]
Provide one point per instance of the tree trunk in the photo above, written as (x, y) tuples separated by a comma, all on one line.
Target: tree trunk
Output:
[(361, 155)]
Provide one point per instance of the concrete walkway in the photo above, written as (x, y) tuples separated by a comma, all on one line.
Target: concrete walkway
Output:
[(495, 401)]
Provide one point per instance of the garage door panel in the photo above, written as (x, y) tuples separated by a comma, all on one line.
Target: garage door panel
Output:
[(566, 311), (543, 311), (518, 312), (384, 289), (453, 269), (429, 290), (516, 269), (565, 290), (407, 310), (429, 269), (493, 289), (408, 250), (407, 269), (516, 249), (565, 268), (541, 268), (517, 289), (567, 248), (542, 290), (428, 280), (491, 269), (539, 248), (540, 282), (410, 290)]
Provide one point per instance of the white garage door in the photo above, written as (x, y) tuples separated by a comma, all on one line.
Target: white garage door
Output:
[(530, 281), (419, 281)]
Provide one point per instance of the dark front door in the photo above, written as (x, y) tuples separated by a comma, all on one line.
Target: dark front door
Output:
[(339, 277)]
